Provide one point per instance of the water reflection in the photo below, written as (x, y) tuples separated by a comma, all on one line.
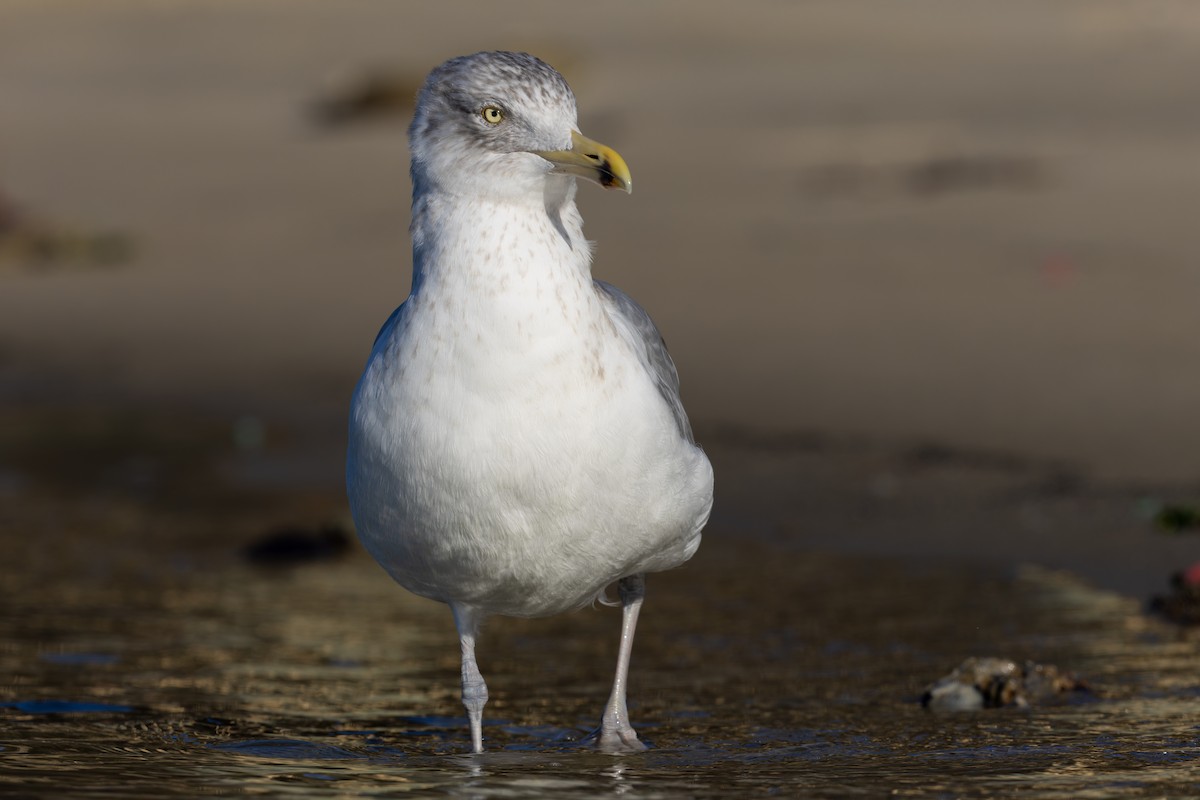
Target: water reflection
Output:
[(761, 670)]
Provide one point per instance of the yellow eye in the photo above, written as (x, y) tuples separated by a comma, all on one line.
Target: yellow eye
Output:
[(492, 115)]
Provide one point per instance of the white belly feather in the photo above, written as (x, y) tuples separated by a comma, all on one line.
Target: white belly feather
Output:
[(515, 457)]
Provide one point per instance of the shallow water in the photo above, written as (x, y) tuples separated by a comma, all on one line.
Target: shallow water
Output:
[(142, 653), (164, 665)]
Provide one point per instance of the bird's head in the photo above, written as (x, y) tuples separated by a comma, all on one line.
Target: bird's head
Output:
[(503, 122)]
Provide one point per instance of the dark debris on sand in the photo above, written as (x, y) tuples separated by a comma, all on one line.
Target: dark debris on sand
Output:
[(1182, 604), (32, 242), (370, 96), (979, 683), (1178, 518), (293, 544)]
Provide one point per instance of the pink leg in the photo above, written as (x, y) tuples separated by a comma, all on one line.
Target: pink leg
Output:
[(616, 732), (474, 690)]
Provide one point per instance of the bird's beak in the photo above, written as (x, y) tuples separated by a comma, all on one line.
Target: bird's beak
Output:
[(591, 160)]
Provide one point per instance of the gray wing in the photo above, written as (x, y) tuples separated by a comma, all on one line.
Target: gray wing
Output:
[(648, 343), (386, 332), (387, 326)]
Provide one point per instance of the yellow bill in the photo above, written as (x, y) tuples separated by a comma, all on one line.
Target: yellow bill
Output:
[(590, 160)]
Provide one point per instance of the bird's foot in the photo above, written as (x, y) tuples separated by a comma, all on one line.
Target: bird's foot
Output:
[(618, 741)]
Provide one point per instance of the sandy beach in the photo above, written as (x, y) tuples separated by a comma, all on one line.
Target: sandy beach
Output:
[(929, 273), (962, 223)]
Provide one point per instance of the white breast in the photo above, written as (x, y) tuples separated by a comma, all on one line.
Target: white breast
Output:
[(507, 450)]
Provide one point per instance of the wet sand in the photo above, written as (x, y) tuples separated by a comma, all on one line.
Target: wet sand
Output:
[(148, 656), (928, 272)]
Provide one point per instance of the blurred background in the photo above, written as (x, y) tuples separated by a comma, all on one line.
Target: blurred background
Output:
[(960, 232), (930, 274)]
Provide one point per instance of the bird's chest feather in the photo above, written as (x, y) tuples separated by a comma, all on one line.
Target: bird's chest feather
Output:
[(502, 405), (507, 383), (503, 348)]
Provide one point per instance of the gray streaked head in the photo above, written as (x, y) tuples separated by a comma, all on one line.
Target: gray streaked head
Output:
[(489, 112)]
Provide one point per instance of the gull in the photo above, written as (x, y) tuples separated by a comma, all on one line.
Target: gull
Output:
[(517, 441)]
